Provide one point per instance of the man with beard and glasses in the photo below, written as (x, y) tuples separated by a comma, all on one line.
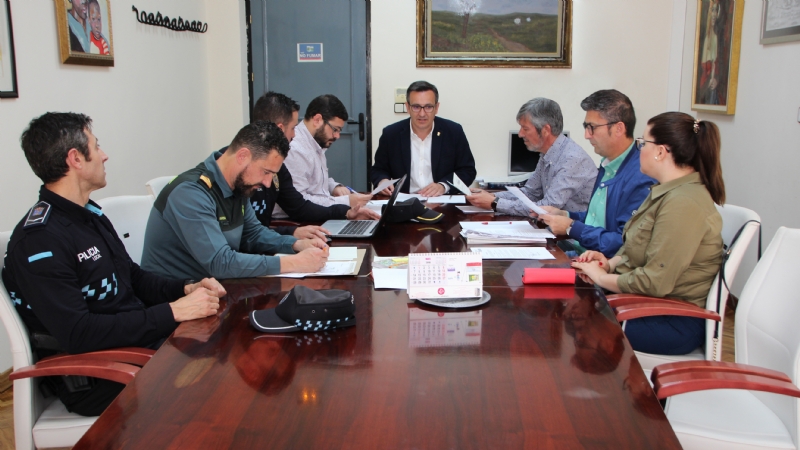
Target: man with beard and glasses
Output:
[(282, 111), (202, 224), (564, 175), (321, 126)]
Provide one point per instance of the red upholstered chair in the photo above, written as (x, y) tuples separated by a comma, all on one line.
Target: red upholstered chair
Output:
[(753, 403)]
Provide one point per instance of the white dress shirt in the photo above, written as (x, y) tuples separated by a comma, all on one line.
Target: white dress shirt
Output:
[(309, 168), (421, 168)]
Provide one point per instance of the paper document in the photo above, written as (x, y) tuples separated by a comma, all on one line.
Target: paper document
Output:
[(458, 199), (502, 232), (383, 185), (377, 205), (390, 278), (513, 252), (525, 200), (341, 261), (342, 253), (474, 209), (458, 184), (401, 196)]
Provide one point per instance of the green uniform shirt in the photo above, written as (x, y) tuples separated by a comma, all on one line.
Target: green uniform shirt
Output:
[(672, 246)]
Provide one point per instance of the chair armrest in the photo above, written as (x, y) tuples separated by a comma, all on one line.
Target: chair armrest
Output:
[(283, 223), (667, 386), (130, 355), (107, 370), (676, 368), (636, 311), (617, 300)]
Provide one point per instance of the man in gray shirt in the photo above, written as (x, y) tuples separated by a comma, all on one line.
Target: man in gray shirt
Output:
[(202, 223), (565, 174)]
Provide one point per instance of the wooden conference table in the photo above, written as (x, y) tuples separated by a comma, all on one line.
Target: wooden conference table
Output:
[(536, 367)]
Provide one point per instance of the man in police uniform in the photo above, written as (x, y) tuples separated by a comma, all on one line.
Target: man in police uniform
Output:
[(69, 275), (283, 111)]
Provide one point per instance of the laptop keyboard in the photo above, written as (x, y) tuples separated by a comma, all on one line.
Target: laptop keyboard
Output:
[(357, 227)]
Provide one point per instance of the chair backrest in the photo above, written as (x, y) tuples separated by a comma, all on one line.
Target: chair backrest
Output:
[(766, 321), (129, 215), (733, 219), (155, 185), (28, 402)]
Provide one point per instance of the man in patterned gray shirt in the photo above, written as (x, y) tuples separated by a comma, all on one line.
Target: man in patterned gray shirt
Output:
[(565, 174)]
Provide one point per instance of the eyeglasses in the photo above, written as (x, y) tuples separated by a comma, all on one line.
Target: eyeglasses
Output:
[(640, 142), (590, 127), (418, 108), (336, 130)]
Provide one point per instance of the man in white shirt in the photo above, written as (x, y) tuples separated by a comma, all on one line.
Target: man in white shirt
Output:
[(321, 126), (429, 149)]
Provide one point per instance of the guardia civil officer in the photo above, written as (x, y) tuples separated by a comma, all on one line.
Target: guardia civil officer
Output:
[(68, 273)]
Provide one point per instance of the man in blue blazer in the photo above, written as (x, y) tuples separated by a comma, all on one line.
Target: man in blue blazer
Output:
[(620, 187), (429, 149)]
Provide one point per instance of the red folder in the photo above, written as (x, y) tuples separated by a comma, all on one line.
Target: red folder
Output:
[(548, 276)]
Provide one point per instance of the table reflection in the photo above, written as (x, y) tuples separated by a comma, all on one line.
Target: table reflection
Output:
[(428, 328)]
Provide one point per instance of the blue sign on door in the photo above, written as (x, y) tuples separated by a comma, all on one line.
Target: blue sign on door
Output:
[(309, 52)]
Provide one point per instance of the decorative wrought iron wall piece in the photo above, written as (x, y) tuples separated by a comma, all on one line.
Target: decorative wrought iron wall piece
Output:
[(178, 24)]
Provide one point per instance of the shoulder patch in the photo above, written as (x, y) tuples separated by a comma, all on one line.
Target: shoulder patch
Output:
[(206, 180), (38, 215)]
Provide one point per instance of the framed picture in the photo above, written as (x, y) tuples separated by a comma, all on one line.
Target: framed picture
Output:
[(716, 55), (780, 21), (487, 33), (8, 66), (84, 32)]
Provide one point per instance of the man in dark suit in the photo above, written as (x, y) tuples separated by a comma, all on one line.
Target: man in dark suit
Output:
[(429, 149)]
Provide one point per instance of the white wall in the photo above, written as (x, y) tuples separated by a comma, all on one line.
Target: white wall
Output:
[(612, 47), (761, 141), (170, 99)]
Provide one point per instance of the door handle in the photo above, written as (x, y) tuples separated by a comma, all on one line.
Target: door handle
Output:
[(361, 125)]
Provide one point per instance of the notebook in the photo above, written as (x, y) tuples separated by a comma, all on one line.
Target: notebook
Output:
[(362, 228)]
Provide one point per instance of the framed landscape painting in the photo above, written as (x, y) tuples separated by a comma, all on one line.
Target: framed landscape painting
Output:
[(716, 55), (488, 33), (84, 32)]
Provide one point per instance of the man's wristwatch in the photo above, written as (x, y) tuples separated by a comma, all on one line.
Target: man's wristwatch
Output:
[(570, 227), (494, 204)]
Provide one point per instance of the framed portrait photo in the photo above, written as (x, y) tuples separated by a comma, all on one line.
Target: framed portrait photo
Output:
[(780, 21), (84, 32), (8, 67), (716, 55), (487, 33)]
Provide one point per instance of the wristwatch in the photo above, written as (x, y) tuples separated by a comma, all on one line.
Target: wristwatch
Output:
[(570, 227), (494, 204)]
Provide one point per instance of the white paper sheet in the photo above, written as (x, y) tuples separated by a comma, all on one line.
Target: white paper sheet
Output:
[(377, 205), (458, 199), (513, 252), (401, 196), (342, 253), (525, 200), (390, 278), (382, 186), (331, 268), (474, 209), (507, 228), (458, 184)]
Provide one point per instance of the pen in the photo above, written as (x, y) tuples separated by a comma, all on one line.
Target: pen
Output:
[(351, 189)]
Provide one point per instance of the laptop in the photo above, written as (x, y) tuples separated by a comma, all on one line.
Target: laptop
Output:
[(362, 228)]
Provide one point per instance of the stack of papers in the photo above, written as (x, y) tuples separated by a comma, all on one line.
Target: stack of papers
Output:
[(458, 199), (515, 232)]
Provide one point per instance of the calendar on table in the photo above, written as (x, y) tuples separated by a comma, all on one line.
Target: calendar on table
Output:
[(445, 275)]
